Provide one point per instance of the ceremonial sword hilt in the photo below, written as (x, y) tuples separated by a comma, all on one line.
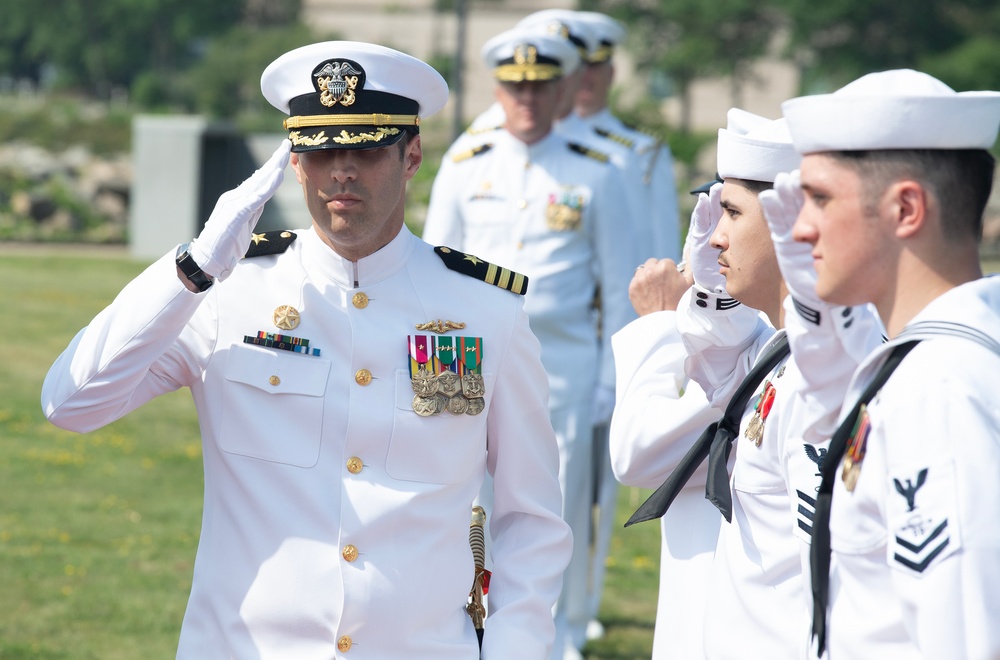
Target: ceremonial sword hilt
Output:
[(477, 542)]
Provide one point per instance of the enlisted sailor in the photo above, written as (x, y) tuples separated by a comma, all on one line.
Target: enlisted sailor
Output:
[(896, 174), (732, 323), (547, 207), (353, 386)]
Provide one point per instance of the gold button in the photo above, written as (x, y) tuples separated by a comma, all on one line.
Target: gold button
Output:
[(520, 245), (286, 234), (350, 552), (354, 465), (363, 377), (344, 644), (274, 380), (360, 300), (522, 204)]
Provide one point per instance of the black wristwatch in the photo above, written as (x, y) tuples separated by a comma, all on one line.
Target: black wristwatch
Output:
[(192, 270)]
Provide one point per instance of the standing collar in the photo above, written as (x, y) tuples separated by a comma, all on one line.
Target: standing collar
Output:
[(321, 262)]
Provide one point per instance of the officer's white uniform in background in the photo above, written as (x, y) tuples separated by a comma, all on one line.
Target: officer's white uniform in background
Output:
[(654, 167), (654, 425), (333, 510), (916, 549)]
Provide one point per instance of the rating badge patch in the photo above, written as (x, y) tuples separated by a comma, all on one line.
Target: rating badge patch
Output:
[(922, 514)]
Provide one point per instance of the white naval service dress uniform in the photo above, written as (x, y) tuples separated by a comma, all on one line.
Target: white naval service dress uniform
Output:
[(336, 519), (658, 415), (655, 167), (549, 211), (759, 593), (915, 570)]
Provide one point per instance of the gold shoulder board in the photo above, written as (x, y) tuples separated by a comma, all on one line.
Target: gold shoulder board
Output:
[(270, 242), (589, 153), (472, 266), (620, 139), (485, 129), (469, 153)]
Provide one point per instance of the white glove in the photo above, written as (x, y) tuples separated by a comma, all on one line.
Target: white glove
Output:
[(781, 207), (604, 405), (226, 236), (704, 257)]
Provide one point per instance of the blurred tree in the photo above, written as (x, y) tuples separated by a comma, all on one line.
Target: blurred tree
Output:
[(96, 46), (836, 41), (974, 63), (691, 39), (226, 82)]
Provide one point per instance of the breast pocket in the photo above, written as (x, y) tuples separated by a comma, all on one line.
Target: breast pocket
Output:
[(273, 405), (444, 448)]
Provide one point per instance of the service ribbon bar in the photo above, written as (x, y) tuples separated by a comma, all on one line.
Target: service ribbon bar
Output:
[(283, 342)]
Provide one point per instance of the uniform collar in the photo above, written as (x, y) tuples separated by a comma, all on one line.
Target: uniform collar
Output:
[(320, 261), (528, 151)]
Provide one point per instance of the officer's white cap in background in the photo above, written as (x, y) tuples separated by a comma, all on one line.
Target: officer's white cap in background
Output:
[(351, 95), (565, 23), (526, 54), (755, 148), (899, 109), (608, 32)]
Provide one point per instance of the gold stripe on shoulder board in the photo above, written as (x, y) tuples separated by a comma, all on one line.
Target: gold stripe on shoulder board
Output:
[(590, 153), (470, 153), (482, 270), (620, 139)]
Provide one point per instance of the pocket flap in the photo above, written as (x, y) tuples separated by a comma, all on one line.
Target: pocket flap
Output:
[(269, 371)]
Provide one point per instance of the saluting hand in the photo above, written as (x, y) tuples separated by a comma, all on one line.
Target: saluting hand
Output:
[(657, 286), (781, 207), (226, 236), (705, 256)]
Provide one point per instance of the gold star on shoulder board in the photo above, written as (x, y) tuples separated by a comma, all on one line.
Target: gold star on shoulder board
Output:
[(475, 260), (258, 238)]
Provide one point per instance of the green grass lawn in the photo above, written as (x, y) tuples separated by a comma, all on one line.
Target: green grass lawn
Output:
[(98, 531)]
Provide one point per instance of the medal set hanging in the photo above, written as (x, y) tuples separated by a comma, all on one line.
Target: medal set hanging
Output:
[(446, 373)]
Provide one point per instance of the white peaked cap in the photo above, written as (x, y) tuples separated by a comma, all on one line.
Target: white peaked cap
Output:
[(555, 56), (898, 109), (564, 23), (755, 148), (351, 95), (605, 28)]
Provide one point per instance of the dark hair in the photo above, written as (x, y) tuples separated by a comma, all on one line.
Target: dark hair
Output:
[(403, 142), (756, 187), (960, 180)]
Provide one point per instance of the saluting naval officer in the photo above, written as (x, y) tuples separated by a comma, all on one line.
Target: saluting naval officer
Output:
[(353, 386), (893, 215), (546, 206)]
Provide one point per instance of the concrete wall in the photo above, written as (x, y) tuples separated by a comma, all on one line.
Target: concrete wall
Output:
[(181, 165)]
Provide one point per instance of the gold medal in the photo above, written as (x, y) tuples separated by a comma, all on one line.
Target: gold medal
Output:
[(476, 406), (458, 404), (755, 429), (449, 384), (425, 406), (850, 474), (424, 382), (856, 447), (473, 386)]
